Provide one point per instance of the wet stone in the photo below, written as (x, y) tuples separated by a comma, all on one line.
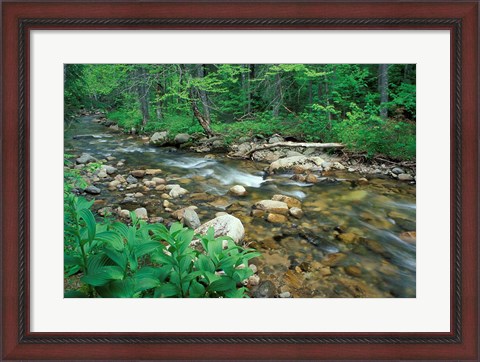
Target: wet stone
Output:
[(266, 289), (131, 179), (93, 190)]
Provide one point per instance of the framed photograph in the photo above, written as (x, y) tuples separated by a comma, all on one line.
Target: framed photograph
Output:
[(239, 180)]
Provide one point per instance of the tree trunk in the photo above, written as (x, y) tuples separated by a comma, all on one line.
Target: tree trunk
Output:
[(203, 94), (278, 100), (142, 91), (204, 122), (383, 89)]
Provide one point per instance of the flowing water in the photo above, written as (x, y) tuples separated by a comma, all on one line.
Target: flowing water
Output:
[(352, 241)]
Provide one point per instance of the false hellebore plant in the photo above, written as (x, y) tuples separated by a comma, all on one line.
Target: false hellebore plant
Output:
[(149, 260)]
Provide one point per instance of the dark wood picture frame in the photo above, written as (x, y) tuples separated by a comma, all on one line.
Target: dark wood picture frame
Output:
[(18, 18)]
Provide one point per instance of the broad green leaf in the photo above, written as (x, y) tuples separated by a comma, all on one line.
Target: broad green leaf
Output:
[(161, 258), (241, 274), (118, 289), (238, 293), (222, 284), (103, 276), (210, 234), (204, 263), (89, 219), (74, 294), (175, 228), (121, 229), (147, 248), (166, 290), (69, 260), (196, 290), (185, 264), (73, 270), (120, 258), (112, 239)]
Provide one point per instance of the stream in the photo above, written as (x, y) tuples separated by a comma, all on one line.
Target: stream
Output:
[(354, 239)]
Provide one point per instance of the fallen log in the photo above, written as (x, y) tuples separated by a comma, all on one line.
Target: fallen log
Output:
[(291, 144)]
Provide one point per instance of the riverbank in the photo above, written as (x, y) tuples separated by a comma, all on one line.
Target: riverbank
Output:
[(325, 228)]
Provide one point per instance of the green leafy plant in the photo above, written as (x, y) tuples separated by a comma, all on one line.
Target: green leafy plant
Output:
[(142, 260)]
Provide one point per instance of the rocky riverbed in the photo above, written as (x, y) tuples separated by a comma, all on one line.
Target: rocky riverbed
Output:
[(325, 228)]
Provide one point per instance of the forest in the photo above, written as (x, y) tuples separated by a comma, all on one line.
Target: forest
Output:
[(370, 108), (239, 180)]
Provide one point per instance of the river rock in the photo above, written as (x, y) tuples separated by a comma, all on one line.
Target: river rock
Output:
[(290, 201), (333, 259), (348, 238), (303, 162), (191, 219), (93, 190), (291, 153), (102, 174), (120, 179), (243, 147), (159, 181), (159, 138), (275, 207), (276, 139), (284, 295), (181, 138), (296, 212), (253, 280), (177, 191), (141, 213), (109, 169), (131, 179), (409, 237), (181, 212), (226, 225), (238, 190), (113, 184), (311, 178), (353, 271), (397, 171), (266, 289), (129, 200), (124, 214), (266, 156), (362, 181), (338, 166), (405, 177), (277, 219), (85, 158), (138, 173), (152, 171)]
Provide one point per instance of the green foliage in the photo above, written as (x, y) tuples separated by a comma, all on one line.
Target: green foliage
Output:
[(71, 176), (142, 260), (371, 134), (311, 102)]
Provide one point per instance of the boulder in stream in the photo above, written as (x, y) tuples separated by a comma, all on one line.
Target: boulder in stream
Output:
[(141, 213), (159, 138), (191, 219), (303, 162), (93, 190), (225, 225), (274, 207), (85, 158), (238, 190), (181, 138), (177, 191), (290, 201)]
